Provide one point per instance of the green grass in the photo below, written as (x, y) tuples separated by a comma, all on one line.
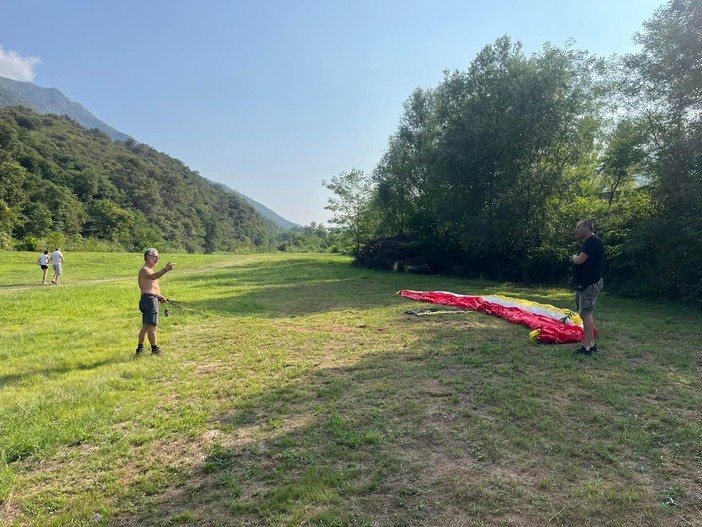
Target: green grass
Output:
[(293, 390)]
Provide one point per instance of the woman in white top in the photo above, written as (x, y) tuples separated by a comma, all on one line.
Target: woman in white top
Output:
[(44, 264)]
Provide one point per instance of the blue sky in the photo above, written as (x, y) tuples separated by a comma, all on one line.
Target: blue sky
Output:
[(271, 97)]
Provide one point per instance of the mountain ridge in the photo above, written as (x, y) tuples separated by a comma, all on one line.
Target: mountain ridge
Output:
[(53, 101), (259, 207), (58, 178)]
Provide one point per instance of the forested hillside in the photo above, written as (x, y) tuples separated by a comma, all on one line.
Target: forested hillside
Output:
[(260, 208), (51, 100), (489, 171), (60, 181)]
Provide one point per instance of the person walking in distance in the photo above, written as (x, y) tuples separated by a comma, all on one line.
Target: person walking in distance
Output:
[(150, 299), (587, 281), (57, 262), (44, 264)]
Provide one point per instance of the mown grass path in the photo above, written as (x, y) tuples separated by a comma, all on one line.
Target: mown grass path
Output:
[(294, 390)]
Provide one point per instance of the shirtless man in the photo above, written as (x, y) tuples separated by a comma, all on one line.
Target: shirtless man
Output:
[(150, 299)]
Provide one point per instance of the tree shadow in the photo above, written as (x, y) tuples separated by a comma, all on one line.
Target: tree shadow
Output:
[(381, 440), (324, 288), (284, 301), (264, 455), (14, 378)]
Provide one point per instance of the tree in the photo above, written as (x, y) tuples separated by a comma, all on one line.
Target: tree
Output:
[(403, 191), (351, 206), (56, 240), (667, 72), (624, 156), (513, 128), (13, 197), (36, 221), (109, 221), (669, 67)]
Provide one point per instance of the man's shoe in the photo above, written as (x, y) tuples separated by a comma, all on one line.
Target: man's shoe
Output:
[(583, 351), (155, 350), (140, 350)]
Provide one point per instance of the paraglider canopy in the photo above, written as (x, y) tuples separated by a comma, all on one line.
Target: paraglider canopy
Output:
[(550, 324)]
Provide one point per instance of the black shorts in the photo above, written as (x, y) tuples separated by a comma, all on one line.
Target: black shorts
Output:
[(44, 266), (148, 305)]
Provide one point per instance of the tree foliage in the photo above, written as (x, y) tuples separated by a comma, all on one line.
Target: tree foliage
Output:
[(351, 207), (667, 75), (56, 176), (489, 171)]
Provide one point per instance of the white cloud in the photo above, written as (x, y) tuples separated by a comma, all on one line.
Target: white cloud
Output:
[(15, 66)]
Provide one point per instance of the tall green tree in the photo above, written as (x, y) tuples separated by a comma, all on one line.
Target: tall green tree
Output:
[(624, 158), (666, 82), (351, 205), (404, 193), (513, 129)]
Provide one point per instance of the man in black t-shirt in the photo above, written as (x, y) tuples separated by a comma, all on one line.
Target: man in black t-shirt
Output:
[(587, 281)]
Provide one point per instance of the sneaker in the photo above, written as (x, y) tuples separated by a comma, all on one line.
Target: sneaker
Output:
[(582, 351), (155, 350), (594, 349), (140, 350)]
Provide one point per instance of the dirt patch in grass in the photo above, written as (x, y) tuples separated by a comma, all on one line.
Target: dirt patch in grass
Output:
[(211, 367)]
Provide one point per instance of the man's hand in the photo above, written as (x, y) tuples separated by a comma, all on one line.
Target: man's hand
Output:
[(169, 266), (579, 259), (162, 299)]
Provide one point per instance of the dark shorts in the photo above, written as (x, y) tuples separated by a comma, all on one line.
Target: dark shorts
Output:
[(586, 299), (44, 266), (148, 305)]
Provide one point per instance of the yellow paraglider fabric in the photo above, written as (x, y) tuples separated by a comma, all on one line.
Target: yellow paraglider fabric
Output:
[(550, 324)]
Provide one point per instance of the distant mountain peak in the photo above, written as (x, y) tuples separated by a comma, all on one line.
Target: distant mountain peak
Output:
[(52, 100)]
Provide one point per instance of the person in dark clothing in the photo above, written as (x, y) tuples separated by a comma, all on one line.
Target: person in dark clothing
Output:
[(587, 281)]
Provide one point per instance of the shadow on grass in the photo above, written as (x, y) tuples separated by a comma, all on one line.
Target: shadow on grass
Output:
[(445, 431), (328, 446), (14, 378), (441, 427), (327, 287)]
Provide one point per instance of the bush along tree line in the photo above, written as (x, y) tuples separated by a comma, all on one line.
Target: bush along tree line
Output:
[(314, 237), (489, 172), (64, 185)]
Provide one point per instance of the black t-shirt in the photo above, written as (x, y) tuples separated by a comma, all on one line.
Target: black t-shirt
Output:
[(590, 271)]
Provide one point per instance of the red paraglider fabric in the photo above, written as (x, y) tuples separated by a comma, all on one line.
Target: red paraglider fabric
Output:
[(551, 325)]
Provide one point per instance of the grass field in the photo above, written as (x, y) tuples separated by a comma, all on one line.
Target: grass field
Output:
[(294, 390)]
